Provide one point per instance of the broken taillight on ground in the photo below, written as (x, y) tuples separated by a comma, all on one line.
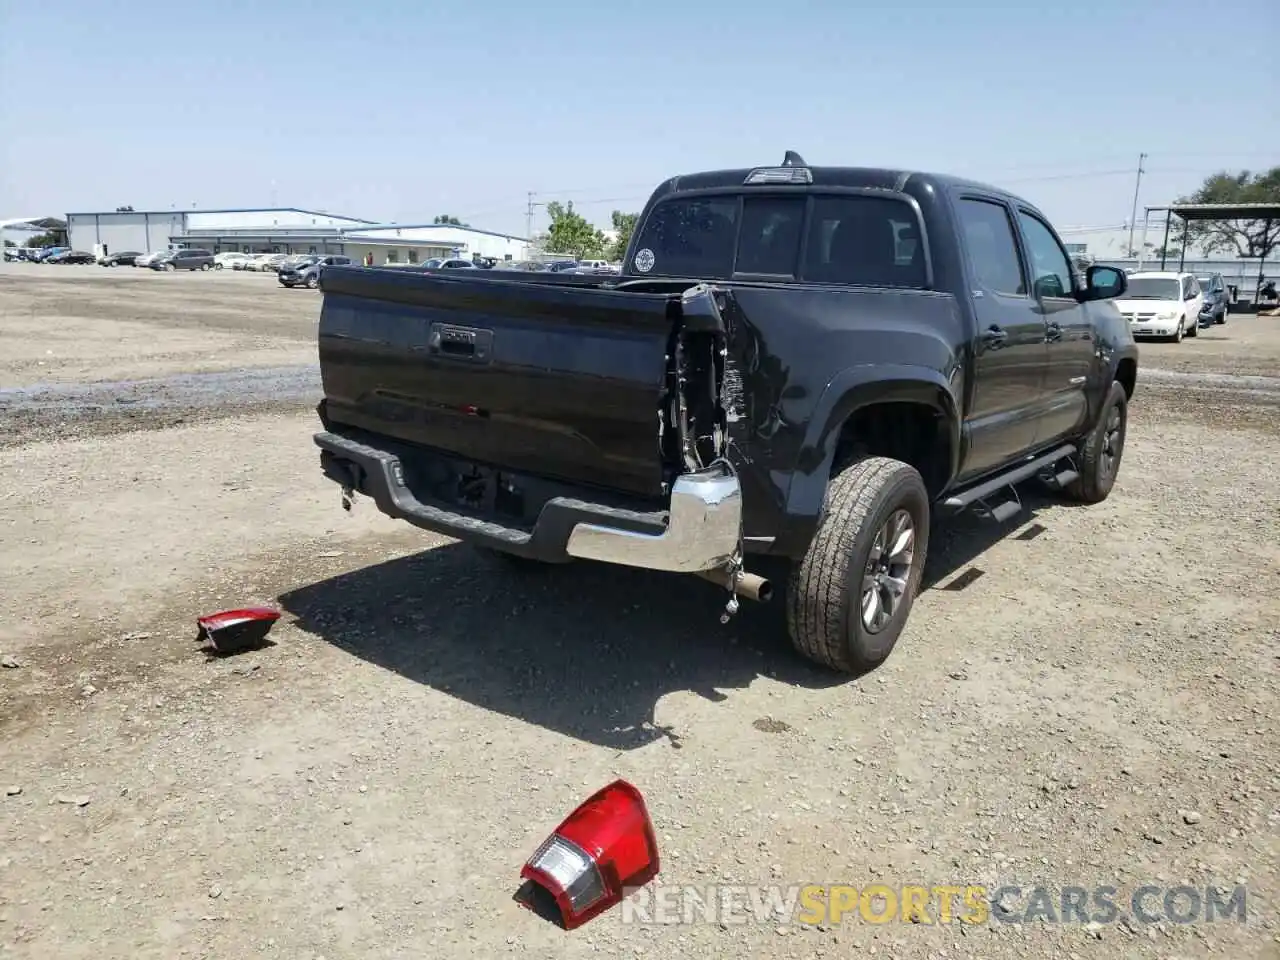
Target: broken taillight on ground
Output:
[(233, 631), (600, 851)]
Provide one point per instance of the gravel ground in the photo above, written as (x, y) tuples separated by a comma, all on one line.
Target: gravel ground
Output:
[(1083, 696)]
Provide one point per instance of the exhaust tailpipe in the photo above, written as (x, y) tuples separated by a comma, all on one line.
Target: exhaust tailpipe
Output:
[(749, 585)]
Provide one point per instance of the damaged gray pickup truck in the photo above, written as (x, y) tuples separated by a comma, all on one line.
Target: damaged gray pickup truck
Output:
[(805, 362)]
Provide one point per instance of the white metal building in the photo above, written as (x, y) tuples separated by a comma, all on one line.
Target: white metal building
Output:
[(414, 243), (285, 229)]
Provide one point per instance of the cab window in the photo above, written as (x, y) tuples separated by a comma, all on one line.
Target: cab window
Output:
[(992, 247), (864, 241), (1049, 263)]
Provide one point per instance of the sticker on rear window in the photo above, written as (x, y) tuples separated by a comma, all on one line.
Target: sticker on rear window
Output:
[(644, 260)]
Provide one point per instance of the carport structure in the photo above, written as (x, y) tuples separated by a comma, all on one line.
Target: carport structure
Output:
[(33, 224), (1268, 213)]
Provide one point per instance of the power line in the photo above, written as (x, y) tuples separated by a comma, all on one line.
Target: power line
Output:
[(647, 184), (1069, 176), (530, 204)]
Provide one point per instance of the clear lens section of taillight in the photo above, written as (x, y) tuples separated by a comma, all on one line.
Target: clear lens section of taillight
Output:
[(572, 869)]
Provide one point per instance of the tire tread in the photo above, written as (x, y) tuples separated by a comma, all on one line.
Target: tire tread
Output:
[(815, 600)]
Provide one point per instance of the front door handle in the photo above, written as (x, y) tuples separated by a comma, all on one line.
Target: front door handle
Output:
[(994, 337), (1053, 332)]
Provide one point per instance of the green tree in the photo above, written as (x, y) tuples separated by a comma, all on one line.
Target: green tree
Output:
[(1245, 238), (571, 233), (9, 243), (624, 225), (43, 240), (449, 221)]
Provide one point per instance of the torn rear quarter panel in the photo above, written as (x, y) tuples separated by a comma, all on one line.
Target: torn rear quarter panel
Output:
[(786, 345), (695, 402)]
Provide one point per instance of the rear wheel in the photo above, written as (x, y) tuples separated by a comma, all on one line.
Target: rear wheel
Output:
[(217, 266), (204, 266), (850, 596), (312, 282)]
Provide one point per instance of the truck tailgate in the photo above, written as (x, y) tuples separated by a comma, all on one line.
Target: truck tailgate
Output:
[(561, 381)]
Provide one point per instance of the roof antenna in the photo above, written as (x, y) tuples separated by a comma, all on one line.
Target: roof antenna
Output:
[(793, 159)]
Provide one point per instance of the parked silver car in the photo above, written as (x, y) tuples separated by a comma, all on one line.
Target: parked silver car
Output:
[(306, 271)]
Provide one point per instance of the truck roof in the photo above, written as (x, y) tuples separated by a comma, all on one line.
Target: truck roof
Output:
[(864, 177)]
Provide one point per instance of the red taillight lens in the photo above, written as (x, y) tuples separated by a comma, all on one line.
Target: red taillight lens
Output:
[(601, 849), (234, 630)]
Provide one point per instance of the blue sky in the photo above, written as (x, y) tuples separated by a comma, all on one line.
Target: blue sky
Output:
[(401, 111)]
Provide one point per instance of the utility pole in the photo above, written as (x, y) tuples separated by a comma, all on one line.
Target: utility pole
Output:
[(1133, 216), (528, 219)]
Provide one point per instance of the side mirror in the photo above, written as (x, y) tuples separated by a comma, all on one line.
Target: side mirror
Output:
[(1105, 283)]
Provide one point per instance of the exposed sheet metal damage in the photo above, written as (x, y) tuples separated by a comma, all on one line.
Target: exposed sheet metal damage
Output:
[(701, 402), (693, 420)]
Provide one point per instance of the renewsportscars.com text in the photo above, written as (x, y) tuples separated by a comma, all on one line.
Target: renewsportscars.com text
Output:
[(943, 903)]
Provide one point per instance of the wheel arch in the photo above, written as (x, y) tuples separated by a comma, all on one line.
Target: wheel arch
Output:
[(1126, 374), (919, 407)]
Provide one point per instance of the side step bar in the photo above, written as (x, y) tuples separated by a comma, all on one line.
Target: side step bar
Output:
[(966, 498)]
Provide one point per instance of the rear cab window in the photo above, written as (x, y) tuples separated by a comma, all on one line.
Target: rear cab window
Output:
[(856, 239), (992, 246)]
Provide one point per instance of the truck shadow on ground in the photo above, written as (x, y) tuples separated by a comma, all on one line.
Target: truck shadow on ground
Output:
[(586, 650)]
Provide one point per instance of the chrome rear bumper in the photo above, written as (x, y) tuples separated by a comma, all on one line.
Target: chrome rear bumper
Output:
[(704, 529)]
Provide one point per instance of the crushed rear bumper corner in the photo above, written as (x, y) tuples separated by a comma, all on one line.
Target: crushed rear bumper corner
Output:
[(701, 529)]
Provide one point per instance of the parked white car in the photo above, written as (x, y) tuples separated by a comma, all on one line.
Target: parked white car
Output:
[(1162, 304), (146, 259), (263, 261), (230, 260)]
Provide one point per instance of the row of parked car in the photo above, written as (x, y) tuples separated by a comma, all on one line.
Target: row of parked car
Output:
[(1170, 304), (48, 255), (159, 259), (292, 270), (196, 258)]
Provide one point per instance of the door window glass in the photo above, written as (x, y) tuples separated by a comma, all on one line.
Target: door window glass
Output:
[(1049, 264), (993, 249)]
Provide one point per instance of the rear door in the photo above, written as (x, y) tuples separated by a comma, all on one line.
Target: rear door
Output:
[(1010, 353), (1068, 330), (1193, 299)]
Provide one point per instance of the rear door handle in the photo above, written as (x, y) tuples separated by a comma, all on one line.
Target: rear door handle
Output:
[(1053, 332), (994, 337)]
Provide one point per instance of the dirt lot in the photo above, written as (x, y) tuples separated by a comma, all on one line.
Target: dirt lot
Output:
[(1083, 697)]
